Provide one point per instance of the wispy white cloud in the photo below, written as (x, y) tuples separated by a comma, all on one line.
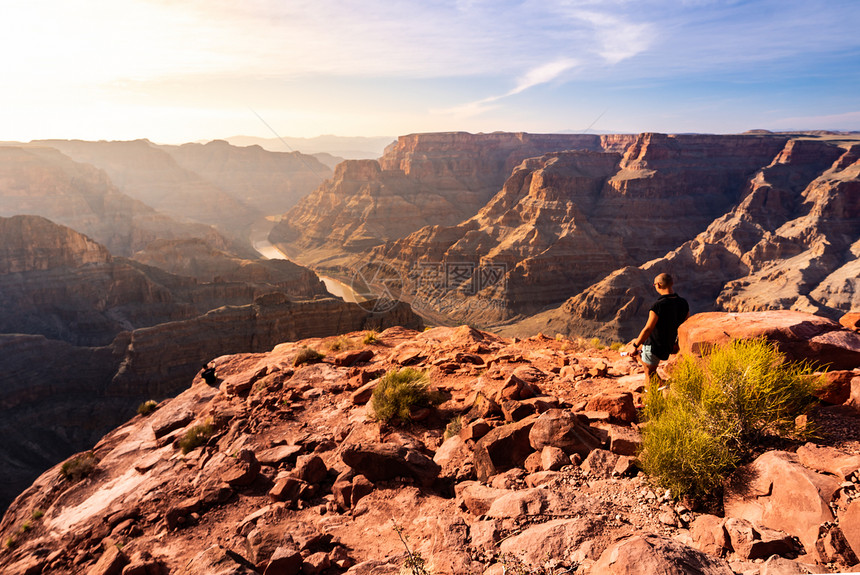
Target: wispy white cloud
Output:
[(535, 77)]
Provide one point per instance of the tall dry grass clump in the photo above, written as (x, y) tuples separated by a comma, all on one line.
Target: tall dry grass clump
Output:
[(717, 409), (399, 392)]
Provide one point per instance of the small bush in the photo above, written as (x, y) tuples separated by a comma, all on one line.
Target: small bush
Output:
[(10, 543), (453, 427), (596, 343), (308, 355), (147, 407), (196, 436), (398, 392), (37, 514), (25, 527), (616, 346), (715, 411), (341, 343), (371, 337), (79, 467)]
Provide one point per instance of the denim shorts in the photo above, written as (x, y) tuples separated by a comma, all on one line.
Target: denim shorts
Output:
[(649, 358)]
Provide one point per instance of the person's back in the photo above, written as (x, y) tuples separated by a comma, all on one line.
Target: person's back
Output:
[(671, 310), (661, 331)]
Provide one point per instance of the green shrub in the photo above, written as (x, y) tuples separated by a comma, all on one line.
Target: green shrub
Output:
[(341, 343), (398, 392), (308, 355), (371, 337), (147, 407), (10, 543), (596, 343), (616, 346), (196, 436), (715, 411), (79, 467), (37, 514), (453, 428), (25, 527)]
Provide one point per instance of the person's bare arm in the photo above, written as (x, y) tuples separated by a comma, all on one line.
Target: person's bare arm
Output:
[(646, 331)]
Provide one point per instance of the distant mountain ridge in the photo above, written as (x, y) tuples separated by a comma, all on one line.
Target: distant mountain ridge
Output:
[(767, 221), (346, 147)]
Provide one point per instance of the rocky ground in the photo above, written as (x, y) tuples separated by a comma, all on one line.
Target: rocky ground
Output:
[(536, 474)]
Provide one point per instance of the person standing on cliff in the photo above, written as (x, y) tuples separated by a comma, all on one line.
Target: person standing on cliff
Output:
[(658, 338)]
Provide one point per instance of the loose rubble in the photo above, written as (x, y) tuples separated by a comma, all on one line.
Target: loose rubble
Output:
[(529, 463)]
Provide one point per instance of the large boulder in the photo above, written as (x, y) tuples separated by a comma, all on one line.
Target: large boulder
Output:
[(551, 540), (383, 461), (503, 448), (801, 336), (561, 428), (777, 492), (650, 554)]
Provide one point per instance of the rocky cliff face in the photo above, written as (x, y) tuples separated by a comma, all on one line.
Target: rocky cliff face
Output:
[(195, 258), (42, 181), (269, 182), (295, 474), (149, 174), (422, 179), (791, 242), (89, 336), (566, 220)]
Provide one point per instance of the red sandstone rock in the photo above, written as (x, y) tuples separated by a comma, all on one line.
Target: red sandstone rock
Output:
[(502, 448), (828, 460), (110, 563), (653, 555), (554, 539), (849, 524), (600, 463), (709, 535), (851, 321), (561, 428), (777, 492), (309, 468), (553, 458), (618, 405), (352, 357), (837, 387), (801, 336), (478, 498), (755, 542), (382, 461)]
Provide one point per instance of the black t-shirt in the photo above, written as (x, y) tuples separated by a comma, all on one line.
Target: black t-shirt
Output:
[(671, 310)]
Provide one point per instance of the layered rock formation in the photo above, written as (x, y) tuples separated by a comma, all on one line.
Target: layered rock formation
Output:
[(196, 258), (791, 242), (566, 220), (269, 182), (422, 179), (149, 174), (292, 474), (89, 336), (42, 181)]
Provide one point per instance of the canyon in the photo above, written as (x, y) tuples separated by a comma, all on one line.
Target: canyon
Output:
[(87, 336), (568, 241), (126, 267)]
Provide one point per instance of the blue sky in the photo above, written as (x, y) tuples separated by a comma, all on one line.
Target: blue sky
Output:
[(175, 71)]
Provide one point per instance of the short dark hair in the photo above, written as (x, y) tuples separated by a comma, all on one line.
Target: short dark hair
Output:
[(664, 280)]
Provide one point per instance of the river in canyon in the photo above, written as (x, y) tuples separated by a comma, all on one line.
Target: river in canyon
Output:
[(260, 240)]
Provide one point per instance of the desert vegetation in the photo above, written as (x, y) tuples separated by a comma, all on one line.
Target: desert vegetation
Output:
[(717, 409), (308, 355), (399, 392), (147, 407), (79, 467), (196, 436)]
